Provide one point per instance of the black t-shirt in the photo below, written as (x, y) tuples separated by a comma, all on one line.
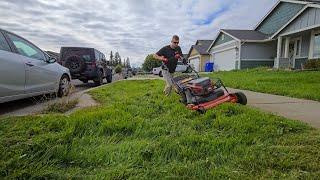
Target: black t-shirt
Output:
[(170, 53)]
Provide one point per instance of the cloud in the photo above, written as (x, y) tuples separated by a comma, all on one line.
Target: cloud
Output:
[(134, 28)]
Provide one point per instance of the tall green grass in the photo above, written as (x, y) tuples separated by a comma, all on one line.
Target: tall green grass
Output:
[(139, 133), (299, 84)]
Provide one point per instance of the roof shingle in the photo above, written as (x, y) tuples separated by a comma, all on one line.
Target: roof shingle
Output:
[(246, 34)]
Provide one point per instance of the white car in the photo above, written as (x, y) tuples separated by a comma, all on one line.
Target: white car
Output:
[(180, 68), (26, 71)]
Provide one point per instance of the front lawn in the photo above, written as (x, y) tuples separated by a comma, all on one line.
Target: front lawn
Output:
[(139, 133), (299, 84)]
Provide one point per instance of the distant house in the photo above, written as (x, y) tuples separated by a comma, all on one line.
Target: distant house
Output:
[(198, 54), (286, 37)]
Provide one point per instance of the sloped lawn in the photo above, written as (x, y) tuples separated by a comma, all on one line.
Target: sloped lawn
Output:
[(299, 84), (139, 133)]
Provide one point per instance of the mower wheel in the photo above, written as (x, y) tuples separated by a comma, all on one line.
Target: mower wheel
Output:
[(242, 98)]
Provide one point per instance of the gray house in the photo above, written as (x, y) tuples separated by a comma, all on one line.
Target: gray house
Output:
[(286, 37)]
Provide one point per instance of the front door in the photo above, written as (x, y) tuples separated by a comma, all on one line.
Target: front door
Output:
[(291, 53), (294, 51)]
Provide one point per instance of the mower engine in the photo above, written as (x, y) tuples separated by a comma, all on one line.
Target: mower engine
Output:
[(202, 90), (200, 87)]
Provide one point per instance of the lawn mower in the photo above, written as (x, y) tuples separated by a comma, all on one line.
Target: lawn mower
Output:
[(202, 93)]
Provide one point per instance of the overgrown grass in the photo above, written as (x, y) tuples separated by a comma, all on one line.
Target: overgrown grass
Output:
[(138, 133), (299, 84), (61, 106)]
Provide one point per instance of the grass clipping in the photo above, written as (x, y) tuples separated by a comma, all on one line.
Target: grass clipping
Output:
[(61, 107)]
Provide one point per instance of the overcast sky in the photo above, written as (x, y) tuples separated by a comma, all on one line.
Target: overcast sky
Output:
[(134, 28)]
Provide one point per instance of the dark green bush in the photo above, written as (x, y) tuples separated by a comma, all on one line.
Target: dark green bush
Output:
[(118, 69), (312, 64)]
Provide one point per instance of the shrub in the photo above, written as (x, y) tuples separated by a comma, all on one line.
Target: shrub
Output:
[(312, 64), (118, 69), (150, 63)]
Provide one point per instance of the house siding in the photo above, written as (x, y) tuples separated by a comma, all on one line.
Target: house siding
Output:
[(229, 45), (305, 44), (204, 59), (300, 62), (279, 17), (255, 63), (310, 17), (283, 62), (194, 52), (221, 41), (262, 51)]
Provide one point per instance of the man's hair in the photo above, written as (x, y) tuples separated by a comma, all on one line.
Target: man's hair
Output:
[(175, 37)]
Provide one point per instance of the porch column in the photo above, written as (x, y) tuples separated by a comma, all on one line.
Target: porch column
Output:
[(277, 60), (286, 49)]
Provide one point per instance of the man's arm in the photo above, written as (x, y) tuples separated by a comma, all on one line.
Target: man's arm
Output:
[(160, 58), (159, 55)]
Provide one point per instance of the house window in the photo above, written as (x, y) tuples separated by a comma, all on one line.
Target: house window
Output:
[(222, 37), (316, 47)]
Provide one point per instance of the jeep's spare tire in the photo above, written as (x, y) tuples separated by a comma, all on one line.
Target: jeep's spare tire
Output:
[(75, 64)]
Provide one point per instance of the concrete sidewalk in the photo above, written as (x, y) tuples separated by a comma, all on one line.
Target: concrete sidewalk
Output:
[(304, 110)]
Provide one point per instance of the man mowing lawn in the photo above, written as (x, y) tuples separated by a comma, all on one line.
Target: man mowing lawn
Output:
[(169, 55)]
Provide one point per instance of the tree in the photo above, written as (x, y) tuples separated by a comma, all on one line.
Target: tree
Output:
[(117, 59), (128, 63), (150, 63), (111, 59)]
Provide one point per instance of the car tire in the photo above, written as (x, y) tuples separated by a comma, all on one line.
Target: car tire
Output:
[(64, 86), (99, 79), (160, 74), (109, 78), (242, 98)]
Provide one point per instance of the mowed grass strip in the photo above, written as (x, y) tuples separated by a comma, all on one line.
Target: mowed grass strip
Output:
[(139, 133), (298, 84)]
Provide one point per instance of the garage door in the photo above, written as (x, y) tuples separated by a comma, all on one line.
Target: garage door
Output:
[(224, 60), (195, 63)]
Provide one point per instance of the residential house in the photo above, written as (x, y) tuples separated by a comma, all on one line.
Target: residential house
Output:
[(286, 37), (198, 54)]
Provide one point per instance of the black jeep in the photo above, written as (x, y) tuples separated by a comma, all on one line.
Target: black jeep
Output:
[(86, 64)]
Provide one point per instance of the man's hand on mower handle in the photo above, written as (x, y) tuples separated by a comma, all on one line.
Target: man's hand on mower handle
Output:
[(164, 60), (177, 56)]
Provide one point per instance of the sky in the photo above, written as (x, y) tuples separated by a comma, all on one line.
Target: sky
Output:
[(134, 28)]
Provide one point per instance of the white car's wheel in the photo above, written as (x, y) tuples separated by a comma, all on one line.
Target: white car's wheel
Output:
[(64, 86)]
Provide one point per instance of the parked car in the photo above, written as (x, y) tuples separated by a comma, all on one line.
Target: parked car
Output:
[(26, 70), (181, 67), (134, 71), (86, 64), (127, 72)]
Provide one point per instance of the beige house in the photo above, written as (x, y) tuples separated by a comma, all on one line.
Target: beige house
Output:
[(198, 55)]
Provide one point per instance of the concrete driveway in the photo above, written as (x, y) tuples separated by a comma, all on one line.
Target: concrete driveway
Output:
[(299, 109)]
